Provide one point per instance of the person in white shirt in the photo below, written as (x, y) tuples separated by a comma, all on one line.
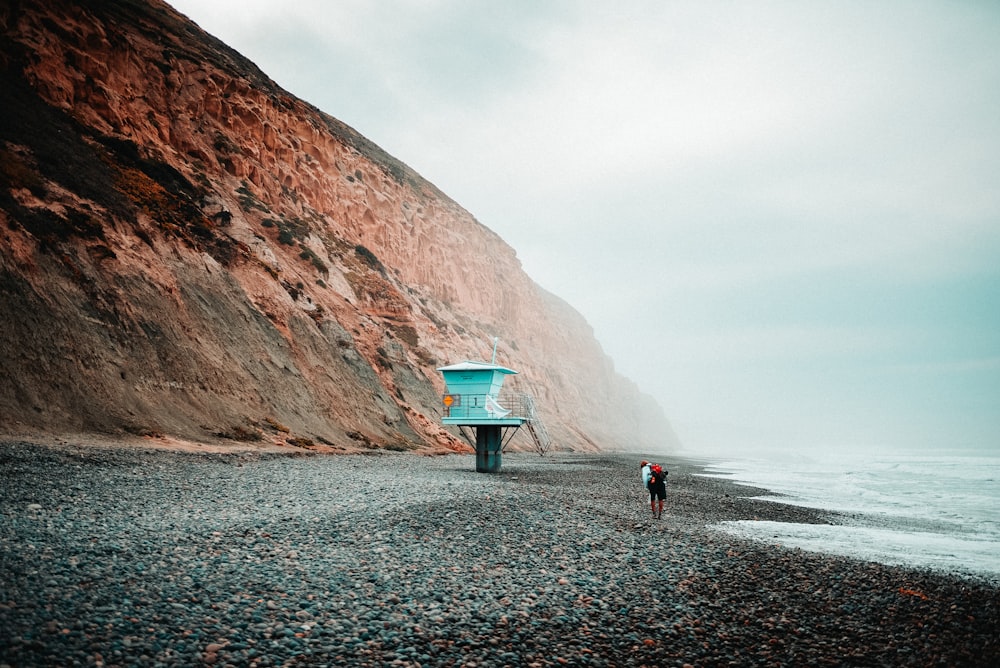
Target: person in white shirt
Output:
[(658, 490)]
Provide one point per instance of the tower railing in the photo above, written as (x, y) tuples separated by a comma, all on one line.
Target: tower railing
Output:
[(504, 405)]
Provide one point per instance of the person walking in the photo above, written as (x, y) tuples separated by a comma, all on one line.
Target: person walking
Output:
[(654, 478)]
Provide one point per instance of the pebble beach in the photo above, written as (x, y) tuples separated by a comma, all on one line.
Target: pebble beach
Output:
[(140, 557)]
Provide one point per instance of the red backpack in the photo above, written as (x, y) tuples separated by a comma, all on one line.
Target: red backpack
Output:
[(656, 474)]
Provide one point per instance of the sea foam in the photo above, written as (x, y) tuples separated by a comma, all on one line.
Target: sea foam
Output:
[(928, 511)]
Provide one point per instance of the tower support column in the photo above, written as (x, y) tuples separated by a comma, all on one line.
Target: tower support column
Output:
[(488, 454)]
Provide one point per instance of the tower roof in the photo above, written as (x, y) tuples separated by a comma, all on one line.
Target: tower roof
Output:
[(476, 366)]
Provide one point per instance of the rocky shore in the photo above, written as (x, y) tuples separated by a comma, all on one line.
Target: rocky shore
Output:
[(122, 557)]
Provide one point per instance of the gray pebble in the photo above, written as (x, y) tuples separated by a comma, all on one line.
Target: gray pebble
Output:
[(145, 557)]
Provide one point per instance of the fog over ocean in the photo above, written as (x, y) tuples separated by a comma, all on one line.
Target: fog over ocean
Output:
[(927, 511)]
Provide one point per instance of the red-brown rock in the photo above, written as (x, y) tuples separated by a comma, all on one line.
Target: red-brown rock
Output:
[(186, 249)]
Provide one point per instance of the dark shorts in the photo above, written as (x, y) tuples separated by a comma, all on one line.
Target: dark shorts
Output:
[(658, 492)]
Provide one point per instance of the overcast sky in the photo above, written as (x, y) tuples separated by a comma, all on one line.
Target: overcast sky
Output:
[(782, 219)]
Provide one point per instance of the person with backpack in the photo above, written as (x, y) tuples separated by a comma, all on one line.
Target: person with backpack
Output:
[(654, 477)]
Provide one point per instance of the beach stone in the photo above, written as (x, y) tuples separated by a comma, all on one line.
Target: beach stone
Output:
[(560, 563)]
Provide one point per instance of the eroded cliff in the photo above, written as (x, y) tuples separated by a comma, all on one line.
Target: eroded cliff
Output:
[(187, 249)]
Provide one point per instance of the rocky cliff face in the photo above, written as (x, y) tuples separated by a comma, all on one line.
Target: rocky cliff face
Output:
[(186, 249)]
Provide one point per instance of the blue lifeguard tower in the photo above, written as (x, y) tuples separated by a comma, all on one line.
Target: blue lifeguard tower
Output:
[(474, 398)]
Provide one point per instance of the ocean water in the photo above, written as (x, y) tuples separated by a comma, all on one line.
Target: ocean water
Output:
[(936, 512)]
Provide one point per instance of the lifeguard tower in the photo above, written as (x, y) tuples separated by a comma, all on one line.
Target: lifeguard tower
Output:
[(473, 398)]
